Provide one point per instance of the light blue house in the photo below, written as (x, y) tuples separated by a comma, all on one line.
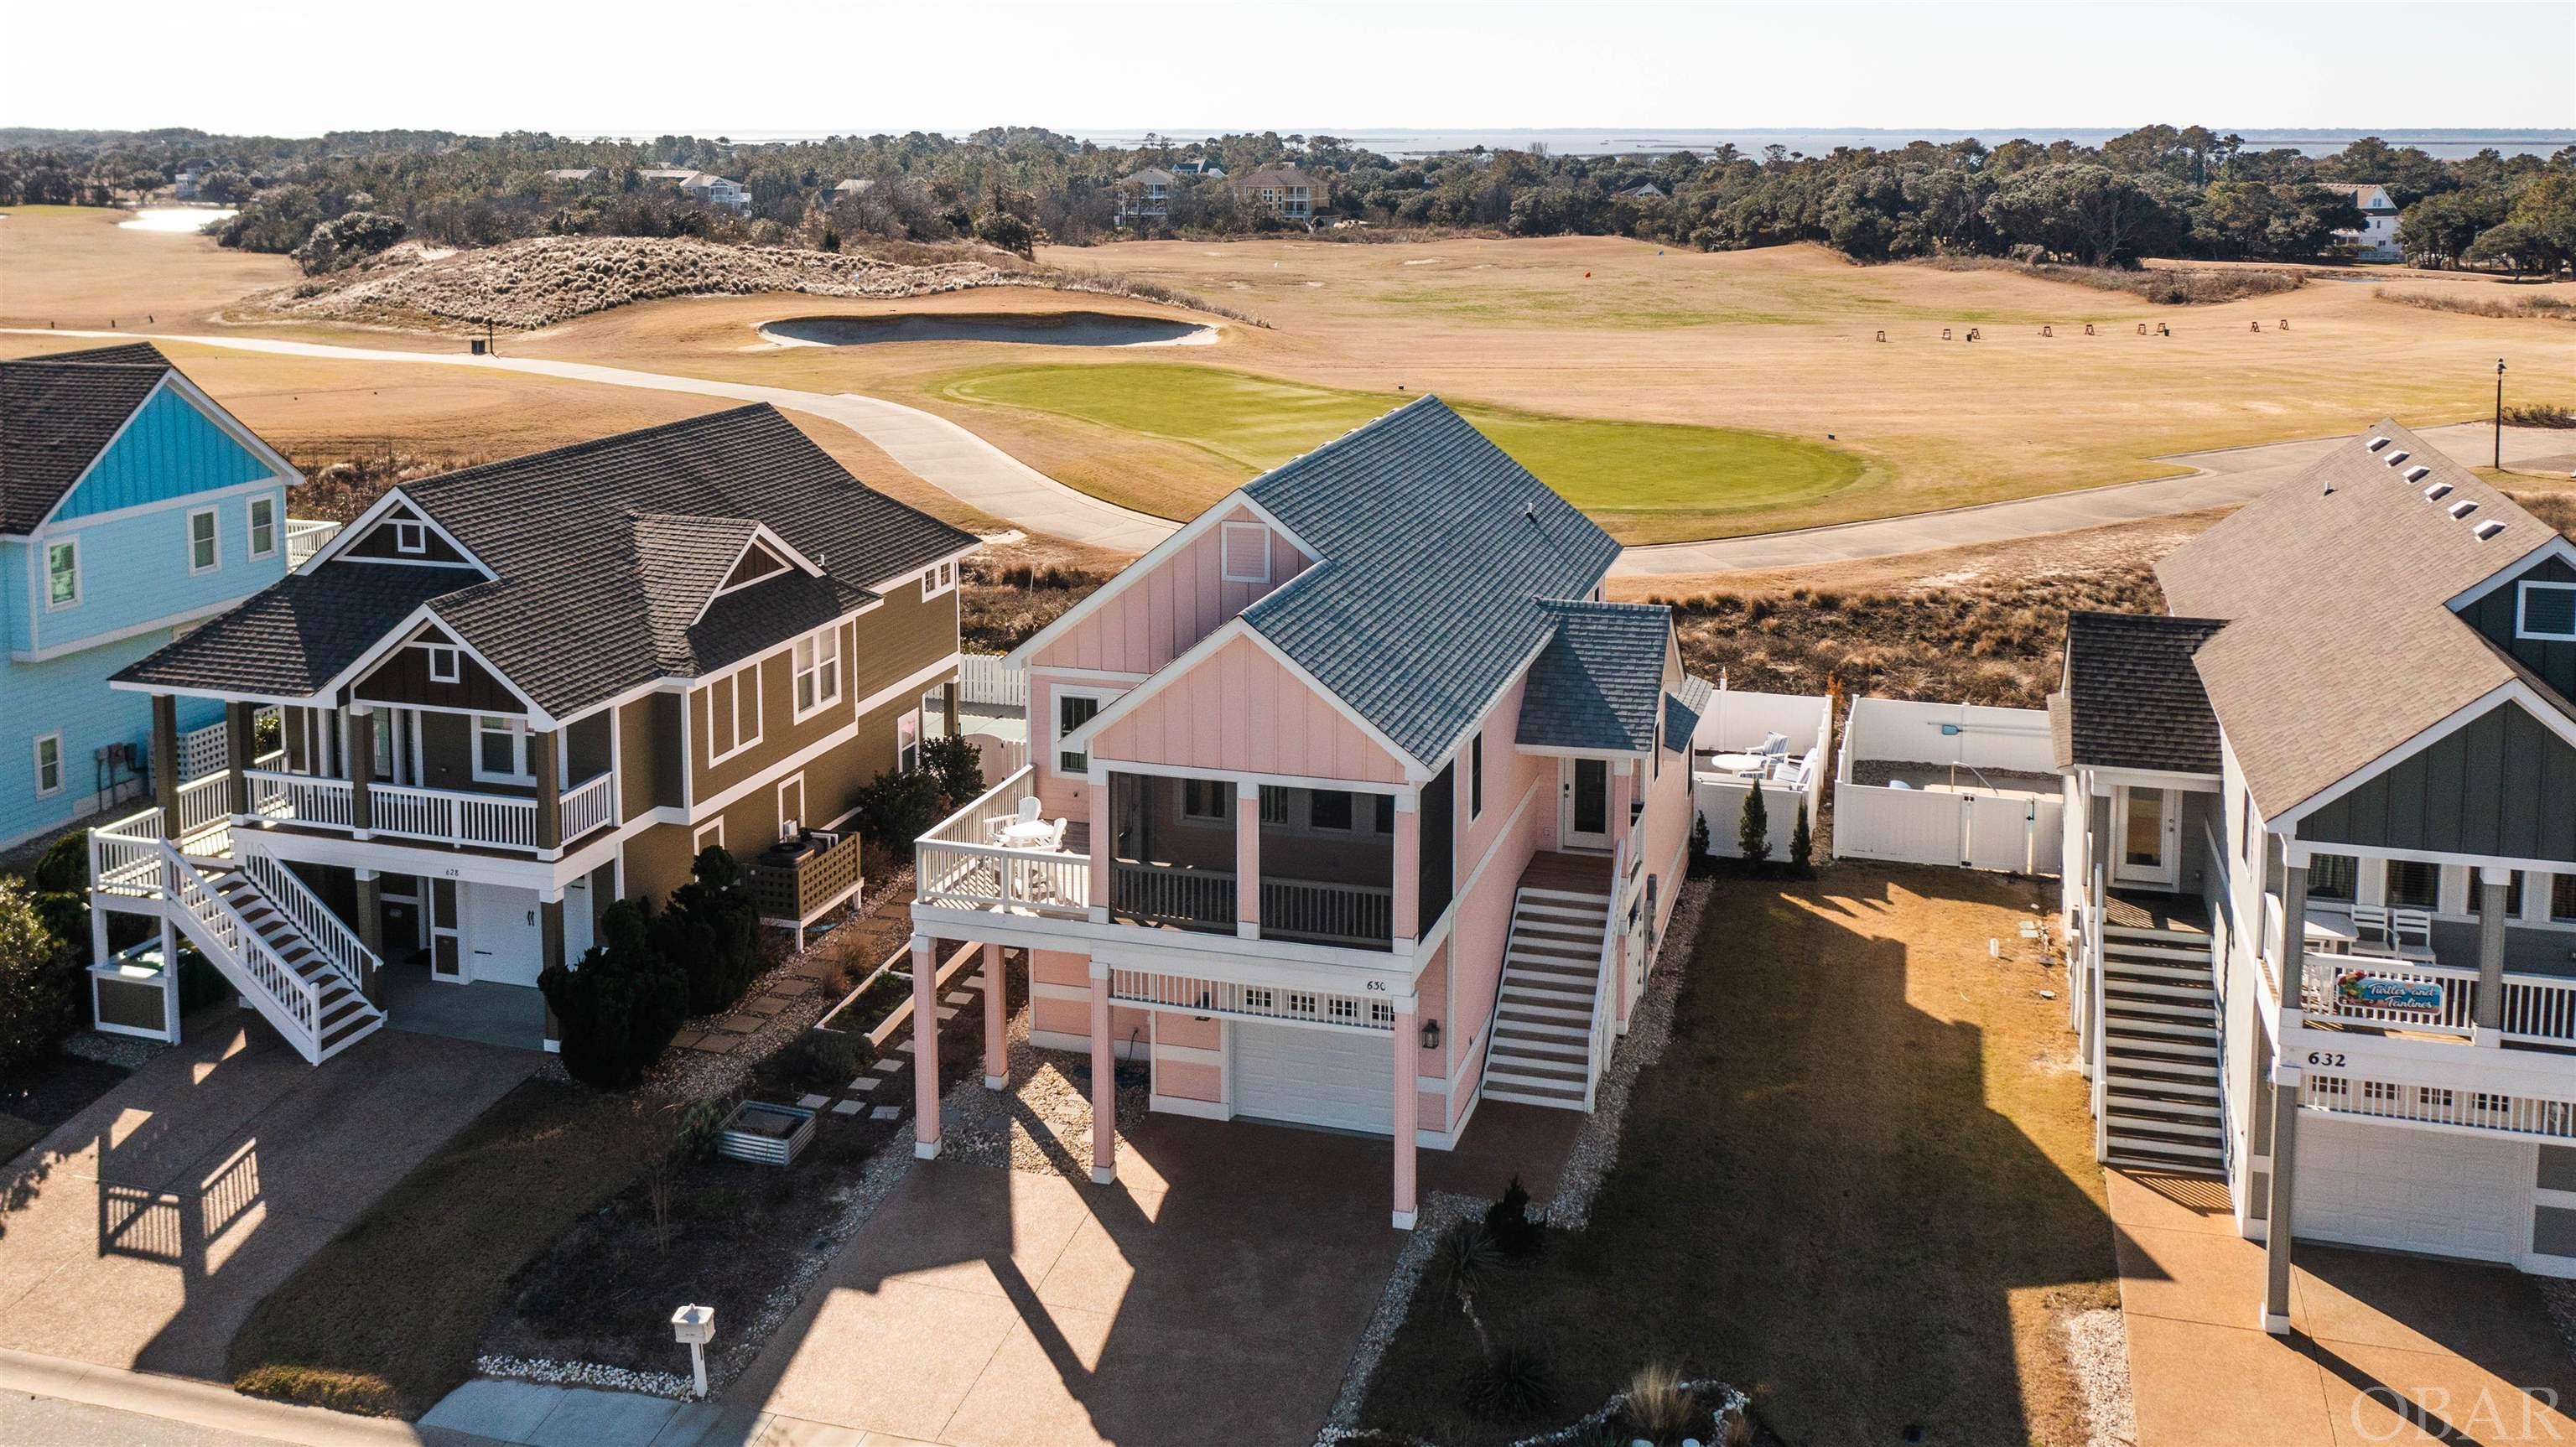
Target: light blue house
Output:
[(131, 508)]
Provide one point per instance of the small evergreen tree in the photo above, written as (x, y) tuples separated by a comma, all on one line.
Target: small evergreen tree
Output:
[(1699, 842), (620, 1008), (958, 764), (1753, 833), (1508, 1223), (712, 931), (1802, 846)]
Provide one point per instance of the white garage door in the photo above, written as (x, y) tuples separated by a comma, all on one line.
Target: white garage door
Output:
[(1338, 1078), (2412, 1190)]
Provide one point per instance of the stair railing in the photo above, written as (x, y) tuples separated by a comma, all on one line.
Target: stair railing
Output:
[(330, 934), (1606, 964), (2099, 1044), (289, 1001)]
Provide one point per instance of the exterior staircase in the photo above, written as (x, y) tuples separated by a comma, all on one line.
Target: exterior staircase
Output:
[(1547, 1045), (2159, 1075), (264, 931)]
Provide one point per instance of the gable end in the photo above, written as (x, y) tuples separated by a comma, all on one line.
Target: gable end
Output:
[(2502, 784)]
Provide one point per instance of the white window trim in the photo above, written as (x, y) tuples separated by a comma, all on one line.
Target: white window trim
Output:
[(411, 536), (2522, 597), (72, 543), (794, 781), (937, 579), (698, 840), (1225, 552), (518, 751), (215, 522), (1055, 720), (250, 525), (907, 723), (733, 682), (1476, 777), (453, 656), (827, 653), (61, 774)]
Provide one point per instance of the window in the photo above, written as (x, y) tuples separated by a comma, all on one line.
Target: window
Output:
[(1274, 804), (907, 742), (1256, 998), (263, 527), (2414, 884), (1328, 809), (2548, 610), (1476, 778), (62, 573), (1072, 711), (205, 545), (2333, 876), (1385, 815), (381, 762), (710, 835), (2512, 895), (1300, 1003), (1244, 553), (938, 580), (818, 671), (49, 765), (2562, 897), (733, 713), (411, 537), (501, 750), (1207, 799), (446, 663)]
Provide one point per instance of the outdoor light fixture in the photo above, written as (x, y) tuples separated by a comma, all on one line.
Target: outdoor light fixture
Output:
[(1430, 1034)]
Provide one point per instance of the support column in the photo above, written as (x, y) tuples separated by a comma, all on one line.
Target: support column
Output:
[(997, 1014), (371, 930), (169, 972), (948, 708), (1247, 859), (1623, 787), (550, 947), (1405, 877), (925, 1049), (1101, 843), (240, 721), (358, 761), (164, 761), (1104, 1083), (2277, 1223), (544, 749), (2488, 1004), (1408, 1097), (2294, 929)]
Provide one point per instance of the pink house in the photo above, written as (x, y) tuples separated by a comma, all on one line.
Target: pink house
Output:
[(1350, 805)]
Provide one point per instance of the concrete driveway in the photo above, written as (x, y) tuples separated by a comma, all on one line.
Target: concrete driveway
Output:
[(1213, 1295), (2383, 1348), (141, 1233)]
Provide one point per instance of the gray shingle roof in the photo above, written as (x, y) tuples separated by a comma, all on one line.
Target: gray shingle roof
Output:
[(1684, 707), (2336, 585), (2134, 700), (1436, 553), (294, 636), (594, 592), (57, 413), (1599, 680)]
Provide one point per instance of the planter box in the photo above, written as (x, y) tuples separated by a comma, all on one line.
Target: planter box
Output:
[(765, 1134)]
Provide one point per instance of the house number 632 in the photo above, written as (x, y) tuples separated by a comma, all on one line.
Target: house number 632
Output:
[(2330, 1059)]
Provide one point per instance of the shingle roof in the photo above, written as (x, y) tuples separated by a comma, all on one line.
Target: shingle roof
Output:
[(2133, 699), (1598, 681), (1684, 707), (1436, 552), (595, 590), (2341, 644), (292, 637), (57, 413)]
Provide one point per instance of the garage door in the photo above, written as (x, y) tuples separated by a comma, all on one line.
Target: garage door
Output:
[(2412, 1190), (1337, 1078)]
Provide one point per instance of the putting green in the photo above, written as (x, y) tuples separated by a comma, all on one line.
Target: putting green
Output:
[(1645, 481)]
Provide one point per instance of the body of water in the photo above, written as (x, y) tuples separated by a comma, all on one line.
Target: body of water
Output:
[(1049, 329), (178, 220), (2449, 144)]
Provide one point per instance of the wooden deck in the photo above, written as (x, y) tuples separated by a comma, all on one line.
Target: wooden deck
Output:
[(2146, 909), (1575, 873)]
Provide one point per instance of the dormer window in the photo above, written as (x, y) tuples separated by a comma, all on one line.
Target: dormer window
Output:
[(2546, 612), (411, 537)]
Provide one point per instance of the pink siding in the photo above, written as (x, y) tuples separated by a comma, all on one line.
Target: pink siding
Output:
[(1240, 711), (1155, 618), (1500, 845), (1060, 1017), (1189, 1080), (1189, 1030), (1431, 987), (1060, 967), (1061, 797)]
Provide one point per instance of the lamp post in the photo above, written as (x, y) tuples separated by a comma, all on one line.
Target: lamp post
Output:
[(2499, 416)]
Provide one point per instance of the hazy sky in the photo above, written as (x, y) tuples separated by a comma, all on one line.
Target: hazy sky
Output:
[(645, 67)]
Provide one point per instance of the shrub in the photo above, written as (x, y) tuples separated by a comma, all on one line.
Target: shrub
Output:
[(61, 881), (712, 931), (1510, 1385), (1508, 1224), (1753, 832), (1699, 842), (816, 1064), (898, 807), (1658, 1408), (959, 766), (1802, 845), (619, 1010), (39, 981)]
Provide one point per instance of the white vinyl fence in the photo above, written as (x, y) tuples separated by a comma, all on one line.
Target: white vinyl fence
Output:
[(1737, 722), (2015, 826)]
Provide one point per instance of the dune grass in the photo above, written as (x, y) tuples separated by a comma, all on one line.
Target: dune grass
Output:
[(1645, 481)]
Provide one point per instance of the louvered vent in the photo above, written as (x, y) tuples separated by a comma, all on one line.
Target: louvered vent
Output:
[(1246, 553)]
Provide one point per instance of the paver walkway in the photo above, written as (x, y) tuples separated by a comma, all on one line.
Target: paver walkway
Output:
[(2383, 1348)]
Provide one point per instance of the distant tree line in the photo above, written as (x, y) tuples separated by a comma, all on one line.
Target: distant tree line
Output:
[(2156, 191)]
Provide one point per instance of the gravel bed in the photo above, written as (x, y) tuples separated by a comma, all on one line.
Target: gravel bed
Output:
[(586, 1374), (1878, 772), (125, 1052), (1040, 1122), (2097, 1350), (859, 1202)]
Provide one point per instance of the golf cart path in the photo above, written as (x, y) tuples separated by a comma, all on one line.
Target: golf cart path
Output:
[(975, 472)]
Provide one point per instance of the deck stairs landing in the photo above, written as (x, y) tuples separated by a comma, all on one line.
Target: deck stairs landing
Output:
[(2160, 1068), (1545, 1046)]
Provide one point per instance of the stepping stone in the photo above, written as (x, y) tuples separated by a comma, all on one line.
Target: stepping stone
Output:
[(947, 1012), (766, 1005), (889, 1065), (734, 1025), (848, 1107), (813, 1102), (863, 1085), (885, 1112), (906, 1046), (688, 1039), (960, 997)]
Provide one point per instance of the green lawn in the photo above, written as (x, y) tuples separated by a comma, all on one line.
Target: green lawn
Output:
[(1646, 481)]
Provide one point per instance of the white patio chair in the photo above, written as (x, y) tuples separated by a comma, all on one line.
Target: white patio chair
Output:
[(1774, 745), (2414, 931), (1028, 814), (2370, 932)]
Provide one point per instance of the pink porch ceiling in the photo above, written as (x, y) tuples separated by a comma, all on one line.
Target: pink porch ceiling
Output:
[(1155, 618), (1240, 710)]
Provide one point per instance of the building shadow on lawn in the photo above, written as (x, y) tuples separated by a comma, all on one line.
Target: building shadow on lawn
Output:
[(1858, 1185)]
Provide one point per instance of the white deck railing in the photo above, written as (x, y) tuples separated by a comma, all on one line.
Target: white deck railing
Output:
[(956, 864), (1164, 894), (305, 537), (2323, 998), (445, 816), (1253, 1002), (590, 805)]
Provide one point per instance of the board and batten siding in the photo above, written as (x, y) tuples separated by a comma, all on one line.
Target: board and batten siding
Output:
[(168, 450), (2497, 615), (1238, 711), (403, 678), (2502, 784), (1156, 618)]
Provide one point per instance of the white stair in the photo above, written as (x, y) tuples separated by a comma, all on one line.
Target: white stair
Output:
[(1541, 1050), (2160, 1084), (262, 929)]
